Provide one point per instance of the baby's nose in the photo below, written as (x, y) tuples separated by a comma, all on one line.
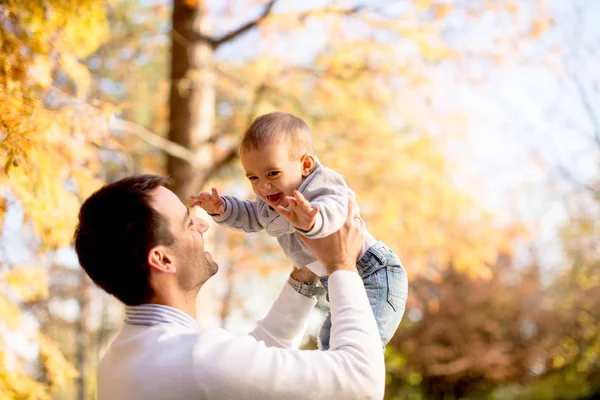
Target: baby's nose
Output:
[(265, 185)]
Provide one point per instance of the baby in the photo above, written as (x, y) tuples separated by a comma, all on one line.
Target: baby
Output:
[(296, 194)]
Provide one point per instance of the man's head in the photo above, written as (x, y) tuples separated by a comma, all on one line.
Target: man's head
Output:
[(135, 238), (276, 153)]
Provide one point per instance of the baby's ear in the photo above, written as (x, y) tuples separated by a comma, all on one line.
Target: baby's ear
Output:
[(308, 164)]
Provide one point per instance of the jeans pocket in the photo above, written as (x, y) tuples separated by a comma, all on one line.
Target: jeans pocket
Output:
[(397, 287)]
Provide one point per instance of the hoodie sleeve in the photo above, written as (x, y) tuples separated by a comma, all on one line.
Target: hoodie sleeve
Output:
[(240, 214), (328, 191)]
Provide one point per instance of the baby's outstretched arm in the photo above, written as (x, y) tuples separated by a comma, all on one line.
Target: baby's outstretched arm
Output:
[(229, 210), (212, 203), (299, 212)]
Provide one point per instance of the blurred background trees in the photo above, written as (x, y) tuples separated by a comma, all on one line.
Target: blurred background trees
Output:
[(468, 130)]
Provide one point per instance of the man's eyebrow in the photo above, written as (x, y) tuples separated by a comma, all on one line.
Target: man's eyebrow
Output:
[(186, 216)]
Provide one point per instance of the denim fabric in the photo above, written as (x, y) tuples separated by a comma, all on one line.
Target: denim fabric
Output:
[(387, 289)]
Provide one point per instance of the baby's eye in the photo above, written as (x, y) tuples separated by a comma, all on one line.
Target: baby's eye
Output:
[(252, 178), (273, 174)]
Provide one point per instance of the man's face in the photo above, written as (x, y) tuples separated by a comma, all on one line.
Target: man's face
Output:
[(193, 263), (272, 172)]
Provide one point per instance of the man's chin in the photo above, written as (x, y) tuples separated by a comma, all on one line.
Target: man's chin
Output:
[(213, 267)]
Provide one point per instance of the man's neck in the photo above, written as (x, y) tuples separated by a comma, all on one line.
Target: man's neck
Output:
[(185, 303)]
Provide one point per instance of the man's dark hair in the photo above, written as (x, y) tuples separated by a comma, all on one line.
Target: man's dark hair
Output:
[(117, 228)]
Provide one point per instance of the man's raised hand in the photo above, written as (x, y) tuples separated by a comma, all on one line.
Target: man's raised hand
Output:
[(299, 212), (339, 250), (212, 203)]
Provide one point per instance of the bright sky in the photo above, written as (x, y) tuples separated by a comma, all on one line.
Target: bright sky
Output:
[(525, 122)]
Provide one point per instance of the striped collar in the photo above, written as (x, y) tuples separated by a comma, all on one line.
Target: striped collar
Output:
[(154, 314)]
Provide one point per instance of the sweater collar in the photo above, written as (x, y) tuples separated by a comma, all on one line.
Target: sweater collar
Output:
[(154, 314)]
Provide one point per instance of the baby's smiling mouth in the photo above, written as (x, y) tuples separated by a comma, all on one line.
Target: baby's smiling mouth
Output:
[(274, 199)]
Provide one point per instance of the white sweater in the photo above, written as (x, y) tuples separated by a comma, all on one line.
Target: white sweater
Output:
[(179, 361)]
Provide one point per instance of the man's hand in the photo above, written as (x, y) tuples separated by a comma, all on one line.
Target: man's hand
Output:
[(212, 203), (340, 250), (300, 213)]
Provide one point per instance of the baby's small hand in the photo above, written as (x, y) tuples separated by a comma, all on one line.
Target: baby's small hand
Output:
[(211, 203), (300, 213)]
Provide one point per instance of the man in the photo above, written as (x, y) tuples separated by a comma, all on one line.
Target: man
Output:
[(138, 242)]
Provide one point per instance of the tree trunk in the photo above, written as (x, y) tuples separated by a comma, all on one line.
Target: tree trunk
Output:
[(192, 95)]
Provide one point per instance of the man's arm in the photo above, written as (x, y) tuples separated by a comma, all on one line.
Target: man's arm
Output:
[(231, 367), (353, 368), (286, 320), (240, 214)]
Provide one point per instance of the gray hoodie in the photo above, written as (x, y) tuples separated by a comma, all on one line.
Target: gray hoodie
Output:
[(323, 188)]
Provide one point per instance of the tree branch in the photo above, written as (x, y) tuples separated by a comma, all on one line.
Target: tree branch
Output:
[(153, 139), (212, 171), (331, 10), (587, 106), (569, 177), (244, 28), (261, 91), (174, 149)]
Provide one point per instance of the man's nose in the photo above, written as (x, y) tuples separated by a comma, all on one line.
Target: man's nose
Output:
[(201, 224)]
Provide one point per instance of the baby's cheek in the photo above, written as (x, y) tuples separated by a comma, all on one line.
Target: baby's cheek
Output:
[(257, 193)]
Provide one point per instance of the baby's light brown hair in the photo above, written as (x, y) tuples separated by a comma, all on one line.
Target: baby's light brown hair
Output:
[(269, 128)]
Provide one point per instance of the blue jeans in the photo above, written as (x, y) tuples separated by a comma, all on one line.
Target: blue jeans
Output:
[(387, 289)]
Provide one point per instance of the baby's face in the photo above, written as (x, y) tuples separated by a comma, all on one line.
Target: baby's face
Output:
[(272, 172)]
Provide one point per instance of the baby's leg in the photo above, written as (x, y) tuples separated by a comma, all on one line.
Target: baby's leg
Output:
[(386, 285), (387, 288), (325, 331)]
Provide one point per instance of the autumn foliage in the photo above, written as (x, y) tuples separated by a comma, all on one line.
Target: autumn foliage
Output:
[(49, 160)]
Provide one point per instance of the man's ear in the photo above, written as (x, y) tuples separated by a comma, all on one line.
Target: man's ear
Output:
[(160, 259), (308, 164)]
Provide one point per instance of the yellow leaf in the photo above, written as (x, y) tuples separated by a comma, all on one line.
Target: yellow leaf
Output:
[(41, 72), (3, 208), (422, 5), (78, 73), (512, 8), (539, 26), (59, 371), (30, 283), (441, 11), (9, 313)]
